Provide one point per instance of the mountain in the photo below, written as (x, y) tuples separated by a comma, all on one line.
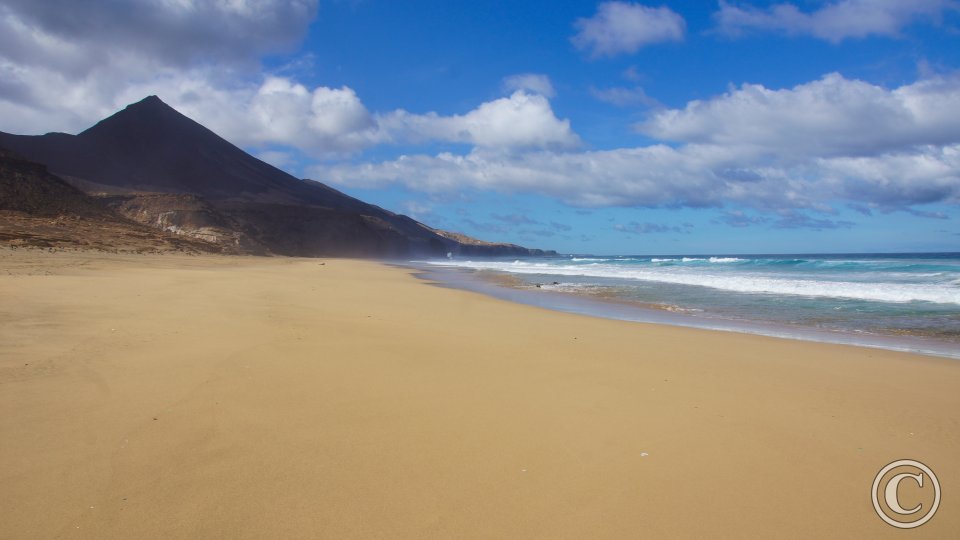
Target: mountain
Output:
[(39, 209), (152, 164)]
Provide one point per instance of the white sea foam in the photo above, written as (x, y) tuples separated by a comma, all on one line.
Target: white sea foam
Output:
[(698, 259), (742, 282)]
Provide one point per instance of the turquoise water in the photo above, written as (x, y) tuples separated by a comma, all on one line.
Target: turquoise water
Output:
[(914, 295)]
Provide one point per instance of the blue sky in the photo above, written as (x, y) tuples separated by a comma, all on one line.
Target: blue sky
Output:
[(586, 127)]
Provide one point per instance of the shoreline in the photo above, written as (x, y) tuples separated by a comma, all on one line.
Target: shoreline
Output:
[(623, 310), (211, 396)]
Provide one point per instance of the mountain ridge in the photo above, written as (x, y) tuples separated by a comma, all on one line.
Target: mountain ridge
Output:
[(149, 148)]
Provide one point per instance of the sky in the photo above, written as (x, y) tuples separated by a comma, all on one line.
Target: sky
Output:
[(677, 127)]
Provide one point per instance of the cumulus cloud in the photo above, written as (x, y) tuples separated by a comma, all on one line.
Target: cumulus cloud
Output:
[(834, 22), (329, 122), (248, 108), (64, 68), (788, 152), (65, 64), (178, 32), (925, 175), (275, 113), (326, 119), (522, 120), (693, 175), (625, 27), (833, 116), (532, 82), (656, 175)]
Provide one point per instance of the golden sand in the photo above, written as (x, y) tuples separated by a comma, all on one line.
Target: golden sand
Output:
[(176, 396)]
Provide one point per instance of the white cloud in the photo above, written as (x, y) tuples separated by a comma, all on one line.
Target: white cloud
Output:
[(175, 32), (532, 82), (834, 22), (521, 120), (333, 122), (64, 68), (625, 27), (928, 175), (833, 116), (52, 79), (274, 112), (64, 65), (320, 121), (806, 147), (692, 176), (652, 175)]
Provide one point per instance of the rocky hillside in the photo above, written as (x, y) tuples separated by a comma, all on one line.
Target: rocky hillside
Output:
[(38, 209)]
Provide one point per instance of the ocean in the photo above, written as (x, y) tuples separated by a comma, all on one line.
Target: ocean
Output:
[(901, 301)]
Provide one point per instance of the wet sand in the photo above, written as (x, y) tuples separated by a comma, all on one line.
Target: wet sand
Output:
[(181, 396)]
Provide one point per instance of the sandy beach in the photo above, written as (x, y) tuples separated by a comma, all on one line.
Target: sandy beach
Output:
[(174, 396)]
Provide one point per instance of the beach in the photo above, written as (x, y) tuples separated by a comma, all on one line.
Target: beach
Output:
[(900, 301), (176, 396)]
